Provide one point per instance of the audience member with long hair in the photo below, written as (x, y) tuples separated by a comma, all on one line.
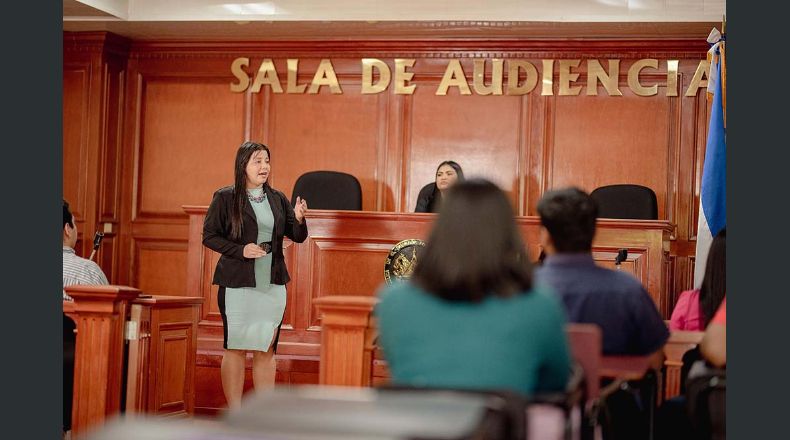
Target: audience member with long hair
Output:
[(470, 316), (430, 197), (695, 308)]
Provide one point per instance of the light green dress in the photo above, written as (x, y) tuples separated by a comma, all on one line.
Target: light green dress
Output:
[(254, 313)]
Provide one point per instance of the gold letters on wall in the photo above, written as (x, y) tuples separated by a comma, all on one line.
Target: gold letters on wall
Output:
[(488, 77)]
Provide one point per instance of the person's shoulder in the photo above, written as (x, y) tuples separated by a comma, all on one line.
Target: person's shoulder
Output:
[(396, 290), (398, 294), (541, 296), (225, 191), (92, 267), (276, 192), (621, 280), (688, 294)]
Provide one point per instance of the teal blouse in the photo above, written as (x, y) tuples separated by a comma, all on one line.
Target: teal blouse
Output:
[(517, 343)]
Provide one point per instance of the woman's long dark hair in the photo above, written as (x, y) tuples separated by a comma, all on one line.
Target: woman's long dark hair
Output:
[(246, 150), (714, 283), (436, 196), (475, 249)]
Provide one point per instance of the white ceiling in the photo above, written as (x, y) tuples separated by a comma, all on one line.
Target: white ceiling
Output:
[(401, 10)]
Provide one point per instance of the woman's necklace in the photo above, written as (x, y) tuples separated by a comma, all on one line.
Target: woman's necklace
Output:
[(257, 199)]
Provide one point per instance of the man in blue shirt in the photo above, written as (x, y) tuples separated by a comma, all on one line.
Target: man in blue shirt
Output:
[(614, 300)]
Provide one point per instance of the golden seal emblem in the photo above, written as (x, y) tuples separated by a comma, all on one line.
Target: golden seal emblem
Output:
[(402, 260)]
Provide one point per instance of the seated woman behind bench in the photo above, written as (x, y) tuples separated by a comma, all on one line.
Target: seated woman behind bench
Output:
[(430, 197), (695, 308), (470, 317)]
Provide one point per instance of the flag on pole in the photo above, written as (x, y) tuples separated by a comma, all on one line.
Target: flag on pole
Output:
[(713, 194)]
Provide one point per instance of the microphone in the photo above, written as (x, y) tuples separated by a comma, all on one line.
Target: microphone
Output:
[(97, 238), (622, 255)]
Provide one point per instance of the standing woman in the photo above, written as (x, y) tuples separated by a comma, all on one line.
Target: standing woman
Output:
[(246, 223), (430, 197)]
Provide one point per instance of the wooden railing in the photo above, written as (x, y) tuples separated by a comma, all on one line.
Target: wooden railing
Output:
[(162, 340), (348, 347)]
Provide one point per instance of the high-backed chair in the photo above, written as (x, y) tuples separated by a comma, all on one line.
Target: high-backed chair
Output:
[(586, 347), (626, 202), (329, 190), (586, 343)]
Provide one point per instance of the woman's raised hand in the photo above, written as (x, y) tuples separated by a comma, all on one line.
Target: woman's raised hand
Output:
[(300, 209)]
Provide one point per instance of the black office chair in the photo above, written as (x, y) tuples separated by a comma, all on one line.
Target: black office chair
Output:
[(626, 202), (329, 190)]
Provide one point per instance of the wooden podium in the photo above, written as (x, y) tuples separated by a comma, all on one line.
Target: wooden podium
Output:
[(154, 375)]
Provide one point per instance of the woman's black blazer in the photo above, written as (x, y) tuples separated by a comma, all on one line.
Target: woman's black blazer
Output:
[(428, 199), (233, 270)]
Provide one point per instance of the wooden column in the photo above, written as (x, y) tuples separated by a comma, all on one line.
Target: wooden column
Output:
[(100, 314), (347, 336)]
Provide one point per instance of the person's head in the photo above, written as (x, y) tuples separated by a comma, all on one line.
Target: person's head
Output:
[(251, 170), (252, 165), (568, 219), (69, 226), (474, 249), (447, 174), (714, 283)]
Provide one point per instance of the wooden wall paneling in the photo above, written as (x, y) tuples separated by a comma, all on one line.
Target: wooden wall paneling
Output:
[(209, 290), (82, 115), (176, 146), (392, 162), (346, 267), (76, 114), (484, 134), (524, 156), (159, 265), (404, 147), (292, 297), (93, 81), (108, 222), (602, 140), (326, 131), (541, 127), (187, 150), (130, 159)]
